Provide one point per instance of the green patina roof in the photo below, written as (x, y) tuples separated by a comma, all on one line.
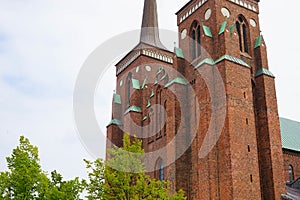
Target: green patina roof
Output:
[(207, 31), (152, 94), (231, 28), (179, 53), (265, 72), (115, 122), (232, 59), (160, 70), (135, 84), (148, 104), (144, 118), (164, 76), (156, 80), (258, 41), (177, 80), (133, 109), (208, 61), (222, 28), (117, 99), (225, 57), (144, 83), (290, 134)]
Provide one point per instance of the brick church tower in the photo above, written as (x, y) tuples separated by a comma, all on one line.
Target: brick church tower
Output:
[(172, 100)]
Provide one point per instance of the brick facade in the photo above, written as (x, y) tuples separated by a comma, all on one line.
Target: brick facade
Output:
[(291, 158), (247, 160)]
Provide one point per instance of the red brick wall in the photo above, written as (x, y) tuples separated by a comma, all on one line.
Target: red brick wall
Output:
[(246, 162), (291, 158)]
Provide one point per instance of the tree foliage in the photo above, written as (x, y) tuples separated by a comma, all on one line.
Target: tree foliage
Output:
[(25, 179), (117, 179)]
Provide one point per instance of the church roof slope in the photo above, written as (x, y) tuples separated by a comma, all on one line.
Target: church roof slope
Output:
[(290, 134), (149, 30)]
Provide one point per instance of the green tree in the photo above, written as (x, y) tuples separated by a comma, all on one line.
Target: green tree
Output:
[(66, 190), (25, 179), (105, 182)]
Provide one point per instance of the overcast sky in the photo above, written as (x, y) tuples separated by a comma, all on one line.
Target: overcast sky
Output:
[(43, 44)]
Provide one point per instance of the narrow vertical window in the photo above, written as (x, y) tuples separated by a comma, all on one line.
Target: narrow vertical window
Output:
[(291, 173), (194, 44), (158, 113), (238, 29), (241, 28), (198, 41), (195, 32), (128, 92), (245, 38), (165, 118), (161, 173)]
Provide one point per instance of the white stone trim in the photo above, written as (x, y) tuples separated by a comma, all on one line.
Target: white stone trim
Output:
[(199, 4), (146, 52), (245, 5), (158, 56), (128, 62), (192, 10)]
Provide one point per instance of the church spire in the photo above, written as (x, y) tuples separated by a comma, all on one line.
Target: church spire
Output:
[(150, 32)]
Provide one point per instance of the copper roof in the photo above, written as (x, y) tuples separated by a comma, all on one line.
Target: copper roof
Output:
[(149, 31)]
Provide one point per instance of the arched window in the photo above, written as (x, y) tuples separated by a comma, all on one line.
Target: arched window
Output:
[(150, 126), (291, 173), (238, 29), (161, 173), (158, 111), (242, 30), (165, 118), (194, 44), (128, 82), (245, 38), (196, 40)]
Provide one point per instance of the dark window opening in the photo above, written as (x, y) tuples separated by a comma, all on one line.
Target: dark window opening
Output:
[(241, 19), (128, 92), (242, 31), (196, 40), (248, 148), (165, 118), (247, 122), (238, 29), (129, 77), (194, 44), (251, 178), (291, 173), (245, 38), (161, 173)]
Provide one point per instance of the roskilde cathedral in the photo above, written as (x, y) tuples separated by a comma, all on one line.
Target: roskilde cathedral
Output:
[(208, 108)]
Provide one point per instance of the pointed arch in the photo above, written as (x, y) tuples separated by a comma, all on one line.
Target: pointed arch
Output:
[(195, 35), (242, 29), (128, 87), (291, 173), (160, 169), (159, 111), (165, 118), (198, 41)]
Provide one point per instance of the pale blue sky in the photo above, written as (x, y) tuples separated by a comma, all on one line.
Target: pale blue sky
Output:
[(43, 44)]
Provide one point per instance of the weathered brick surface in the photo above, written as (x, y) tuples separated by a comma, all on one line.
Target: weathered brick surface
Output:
[(247, 160), (291, 158)]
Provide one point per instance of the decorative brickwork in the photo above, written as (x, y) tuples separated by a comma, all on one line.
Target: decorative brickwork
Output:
[(247, 160)]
